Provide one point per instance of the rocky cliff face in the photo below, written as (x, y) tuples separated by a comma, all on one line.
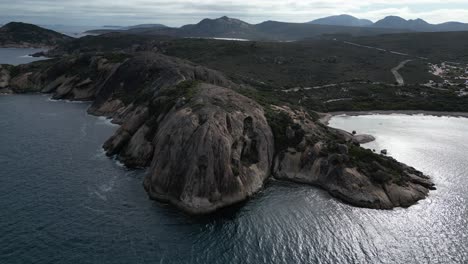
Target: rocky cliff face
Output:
[(5, 77), (73, 78), (206, 145), (214, 150)]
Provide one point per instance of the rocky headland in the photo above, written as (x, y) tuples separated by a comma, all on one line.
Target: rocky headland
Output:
[(23, 35), (208, 146)]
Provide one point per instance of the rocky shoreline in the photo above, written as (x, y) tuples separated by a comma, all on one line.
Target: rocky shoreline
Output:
[(206, 145), (26, 46)]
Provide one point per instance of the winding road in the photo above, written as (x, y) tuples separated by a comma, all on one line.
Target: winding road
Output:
[(399, 79)]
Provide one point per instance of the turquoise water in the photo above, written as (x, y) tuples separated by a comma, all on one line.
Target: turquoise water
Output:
[(63, 201)]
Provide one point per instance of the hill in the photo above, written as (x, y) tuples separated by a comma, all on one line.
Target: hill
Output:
[(110, 42), (141, 27), (342, 20), (16, 34), (391, 22), (419, 25), (221, 27), (147, 26)]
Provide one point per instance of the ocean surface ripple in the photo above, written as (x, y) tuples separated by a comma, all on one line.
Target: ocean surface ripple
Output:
[(64, 201)]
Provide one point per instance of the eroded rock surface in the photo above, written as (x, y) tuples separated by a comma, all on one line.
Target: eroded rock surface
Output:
[(214, 151), (4, 76)]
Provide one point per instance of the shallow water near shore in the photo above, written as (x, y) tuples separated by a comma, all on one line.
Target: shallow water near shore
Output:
[(64, 201), (17, 56)]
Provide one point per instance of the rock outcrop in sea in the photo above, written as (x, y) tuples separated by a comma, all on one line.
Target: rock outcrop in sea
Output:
[(333, 160), (206, 145)]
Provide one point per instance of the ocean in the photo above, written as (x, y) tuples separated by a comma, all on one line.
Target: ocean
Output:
[(64, 201), (17, 56)]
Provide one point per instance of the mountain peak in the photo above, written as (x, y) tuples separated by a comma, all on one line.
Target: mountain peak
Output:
[(342, 20), (393, 18), (419, 21), (223, 21), (231, 20), (401, 23), (219, 27)]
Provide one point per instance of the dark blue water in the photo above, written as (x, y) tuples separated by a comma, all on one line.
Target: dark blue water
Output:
[(63, 201), (16, 56)]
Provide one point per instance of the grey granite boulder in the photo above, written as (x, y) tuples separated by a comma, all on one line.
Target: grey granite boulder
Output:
[(214, 151)]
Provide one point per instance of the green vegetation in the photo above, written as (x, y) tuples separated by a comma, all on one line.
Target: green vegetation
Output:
[(113, 42), (275, 65), (167, 98), (437, 46), (381, 169), (363, 77), (14, 71), (186, 89), (279, 122), (264, 98), (368, 96), (116, 57)]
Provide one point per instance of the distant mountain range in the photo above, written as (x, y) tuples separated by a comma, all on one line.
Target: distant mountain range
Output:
[(393, 22), (21, 34), (225, 27)]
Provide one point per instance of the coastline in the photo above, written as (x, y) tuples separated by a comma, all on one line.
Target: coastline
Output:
[(25, 46), (131, 146), (326, 117)]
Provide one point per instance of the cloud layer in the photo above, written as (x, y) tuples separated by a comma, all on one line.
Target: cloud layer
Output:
[(178, 12)]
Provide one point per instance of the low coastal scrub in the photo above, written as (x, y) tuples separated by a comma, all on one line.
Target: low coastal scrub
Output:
[(279, 122), (381, 169), (116, 57), (167, 98)]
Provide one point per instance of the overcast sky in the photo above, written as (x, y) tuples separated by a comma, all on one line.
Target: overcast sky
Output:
[(179, 12)]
